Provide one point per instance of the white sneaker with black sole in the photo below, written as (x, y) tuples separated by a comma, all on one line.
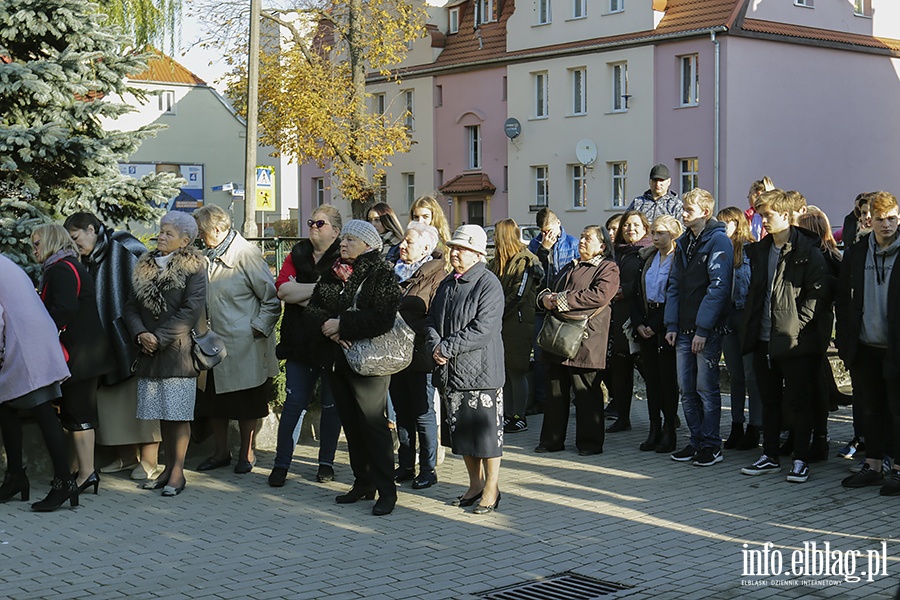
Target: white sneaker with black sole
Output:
[(707, 457), (799, 472), (762, 466)]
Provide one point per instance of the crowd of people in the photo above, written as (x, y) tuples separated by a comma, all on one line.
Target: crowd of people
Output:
[(664, 289)]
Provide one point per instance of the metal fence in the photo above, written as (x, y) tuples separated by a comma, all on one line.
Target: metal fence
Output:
[(274, 249)]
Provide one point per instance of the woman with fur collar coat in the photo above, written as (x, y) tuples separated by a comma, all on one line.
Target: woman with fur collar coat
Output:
[(168, 301), (361, 275)]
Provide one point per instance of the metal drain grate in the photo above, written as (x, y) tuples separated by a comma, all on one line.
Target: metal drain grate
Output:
[(563, 586)]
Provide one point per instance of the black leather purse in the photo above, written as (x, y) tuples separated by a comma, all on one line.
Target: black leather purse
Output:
[(562, 335), (207, 349)]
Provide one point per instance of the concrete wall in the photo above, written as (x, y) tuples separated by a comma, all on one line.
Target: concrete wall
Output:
[(825, 14)]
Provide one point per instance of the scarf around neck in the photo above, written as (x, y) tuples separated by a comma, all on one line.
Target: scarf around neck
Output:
[(404, 271)]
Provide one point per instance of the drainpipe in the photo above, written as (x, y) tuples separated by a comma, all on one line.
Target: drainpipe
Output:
[(717, 117)]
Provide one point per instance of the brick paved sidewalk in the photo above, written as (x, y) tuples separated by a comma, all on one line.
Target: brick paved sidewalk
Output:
[(670, 530)]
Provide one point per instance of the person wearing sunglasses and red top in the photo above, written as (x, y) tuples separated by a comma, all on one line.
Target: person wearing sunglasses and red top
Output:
[(301, 270)]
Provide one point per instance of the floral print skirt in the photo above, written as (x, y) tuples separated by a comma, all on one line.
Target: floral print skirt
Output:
[(474, 421)]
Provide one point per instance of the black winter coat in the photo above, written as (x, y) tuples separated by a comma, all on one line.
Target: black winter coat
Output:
[(76, 317), (376, 307), (629, 261), (799, 296), (111, 264), (466, 319), (418, 294), (294, 343), (168, 303)]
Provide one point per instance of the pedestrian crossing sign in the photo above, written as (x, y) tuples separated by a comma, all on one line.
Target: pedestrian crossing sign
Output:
[(265, 189)]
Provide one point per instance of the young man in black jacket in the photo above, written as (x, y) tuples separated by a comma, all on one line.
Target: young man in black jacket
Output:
[(788, 285), (868, 338)]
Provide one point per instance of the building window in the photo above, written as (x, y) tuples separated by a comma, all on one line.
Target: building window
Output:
[(579, 186), (409, 181), (618, 171), (378, 104), (620, 87), (440, 177), (381, 188), (438, 96), (579, 9), (541, 186), (579, 91), (543, 12), (473, 142), (484, 11), (690, 174), (453, 26), (504, 89), (690, 80), (410, 116), (166, 102), (806, 3), (541, 93), (505, 178), (319, 190), (616, 6), (862, 8)]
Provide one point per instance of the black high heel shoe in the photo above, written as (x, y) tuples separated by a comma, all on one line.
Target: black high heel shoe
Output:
[(462, 501), (92, 480), (60, 491), (481, 509), (355, 495), (15, 483)]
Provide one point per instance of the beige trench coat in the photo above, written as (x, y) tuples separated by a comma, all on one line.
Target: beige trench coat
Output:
[(241, 296)]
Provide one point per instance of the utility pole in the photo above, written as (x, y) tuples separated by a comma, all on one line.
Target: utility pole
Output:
[(252, 114)]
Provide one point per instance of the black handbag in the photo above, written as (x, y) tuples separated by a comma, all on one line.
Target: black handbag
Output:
[(562, 335), (207, 348)]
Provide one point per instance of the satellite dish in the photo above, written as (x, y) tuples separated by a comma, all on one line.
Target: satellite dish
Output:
[(512, 128), (586, 151)]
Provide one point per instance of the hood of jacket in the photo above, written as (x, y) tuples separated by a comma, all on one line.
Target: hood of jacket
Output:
[(150, 282)]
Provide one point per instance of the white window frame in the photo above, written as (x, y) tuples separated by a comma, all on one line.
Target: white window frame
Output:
[(541, 185), (409, 103), (616, 6), (620, 87), (453, 20), (544, 10), (579, 186), (579, 91), (541, 94), (579, 9), (166, 102), (484, 11), (473, 145), (319, 190), (381, 188), (378, 104), (618, 172), (862, 8), (689, 79), (804, 3), (409, 184), (689, 174)]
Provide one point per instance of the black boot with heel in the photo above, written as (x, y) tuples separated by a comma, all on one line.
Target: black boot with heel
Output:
[(653, 437), (15, 483), (60, 491)]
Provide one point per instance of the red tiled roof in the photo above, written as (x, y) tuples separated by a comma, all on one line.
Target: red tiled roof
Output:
[(469, 183), (823, 35), (691, 15), (486, 42), (164, 69)]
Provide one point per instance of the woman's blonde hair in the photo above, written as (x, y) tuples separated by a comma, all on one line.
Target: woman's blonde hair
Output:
[(669, 223), (210, 216), (54, 238), (741, 235), (506, 243), (438, 219)]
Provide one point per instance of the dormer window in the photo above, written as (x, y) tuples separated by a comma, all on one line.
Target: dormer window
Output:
[(484, 11), (453, 26)]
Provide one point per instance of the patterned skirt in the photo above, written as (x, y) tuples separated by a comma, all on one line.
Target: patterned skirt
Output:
[(474, 421), (169, 399)]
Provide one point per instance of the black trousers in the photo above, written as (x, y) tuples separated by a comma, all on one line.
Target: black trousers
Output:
[(589, 431), (661, 378), (881, 401), (619, 378), (789, 383), (45, 416), (362, 403)]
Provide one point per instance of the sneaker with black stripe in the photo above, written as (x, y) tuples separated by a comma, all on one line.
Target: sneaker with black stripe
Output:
[(762, 466), (799, 473)]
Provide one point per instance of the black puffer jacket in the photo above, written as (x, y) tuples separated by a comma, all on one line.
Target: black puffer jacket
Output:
[(466, 319), (799, 296), (376, 307)]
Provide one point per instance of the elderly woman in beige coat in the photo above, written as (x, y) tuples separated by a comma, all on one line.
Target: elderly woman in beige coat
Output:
[(243, 310)]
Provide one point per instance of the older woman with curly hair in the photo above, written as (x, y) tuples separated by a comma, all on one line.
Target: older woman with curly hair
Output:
[(166, 304)]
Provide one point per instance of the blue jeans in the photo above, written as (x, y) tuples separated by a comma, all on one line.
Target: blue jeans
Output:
[(698, 380), (300, 382), (413, 398)]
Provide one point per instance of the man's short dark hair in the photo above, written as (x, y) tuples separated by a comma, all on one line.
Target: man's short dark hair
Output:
[(544, 216)]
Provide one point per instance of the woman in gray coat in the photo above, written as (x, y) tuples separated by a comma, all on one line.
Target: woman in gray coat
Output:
[(167, 302), (463, 336)]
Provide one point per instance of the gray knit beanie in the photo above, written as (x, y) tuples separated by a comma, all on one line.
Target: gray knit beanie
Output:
[(364, 232)]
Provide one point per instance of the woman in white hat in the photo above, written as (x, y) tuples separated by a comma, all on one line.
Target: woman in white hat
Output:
[(463, 335)]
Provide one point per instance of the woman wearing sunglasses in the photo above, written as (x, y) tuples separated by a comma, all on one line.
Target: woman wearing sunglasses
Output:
[(302, 269)]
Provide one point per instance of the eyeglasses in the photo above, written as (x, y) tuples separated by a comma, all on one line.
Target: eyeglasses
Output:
[(317, 224)]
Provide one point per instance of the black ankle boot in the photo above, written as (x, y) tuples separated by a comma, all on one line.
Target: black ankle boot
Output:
[(750, 441), (668, 440), (60, 491), (15, 483), (356, 494), (653, 437), (737, 434), (620, 424)]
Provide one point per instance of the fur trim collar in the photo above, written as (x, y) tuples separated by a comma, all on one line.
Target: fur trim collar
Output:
[(151, 283)]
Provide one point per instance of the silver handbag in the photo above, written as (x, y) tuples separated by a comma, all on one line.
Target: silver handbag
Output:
[(385, 354)]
